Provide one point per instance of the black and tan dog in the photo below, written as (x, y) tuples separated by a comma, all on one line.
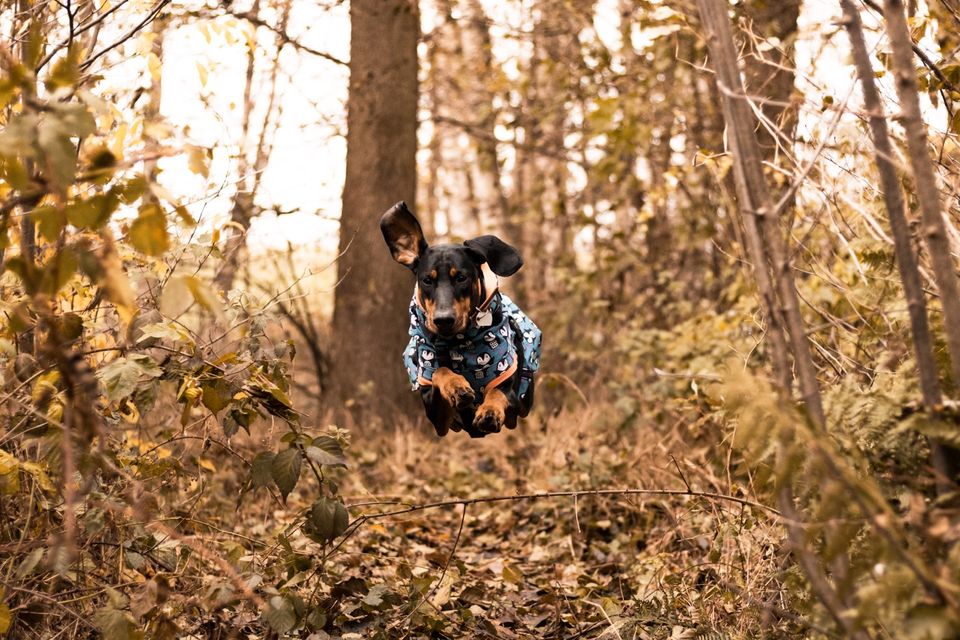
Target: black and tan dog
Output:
[(472, 353)]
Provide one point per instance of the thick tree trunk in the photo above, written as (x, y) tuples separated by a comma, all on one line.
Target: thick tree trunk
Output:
[(906, 260), (370, 319), (769, 74)]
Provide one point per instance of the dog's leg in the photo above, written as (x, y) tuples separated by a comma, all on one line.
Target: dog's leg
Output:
[(492, 413), (453, 388)]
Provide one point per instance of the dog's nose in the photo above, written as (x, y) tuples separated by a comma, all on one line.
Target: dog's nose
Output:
[(444, 321)]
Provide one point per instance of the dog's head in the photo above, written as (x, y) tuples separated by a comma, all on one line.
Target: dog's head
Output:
[(448, 275)]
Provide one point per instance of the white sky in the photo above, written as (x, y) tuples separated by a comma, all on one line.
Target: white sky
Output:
[(307, 165)]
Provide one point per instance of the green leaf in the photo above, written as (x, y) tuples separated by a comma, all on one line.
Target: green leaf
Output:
[(65, 71), (121, 377), (326, 451), (50, 222), (216, 394), (94, 212), (280, 615), (327, 520), (285, 470), (148, 233), (131, 190), (58, 271)]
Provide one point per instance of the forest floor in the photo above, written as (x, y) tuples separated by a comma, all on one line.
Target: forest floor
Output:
[(532, 565)]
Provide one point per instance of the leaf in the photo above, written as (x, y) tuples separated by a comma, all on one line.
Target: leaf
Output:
[(164, 331), (181, 290), (121, 377), (175, 298), (69, 326), (261, 469), (50, 222), (204, 295), (198, 160), (114, 280), (216, 394), (29, 563), (285, 470), (6, 618), (326, 451), (58, 271), (326, 521), (280, 615), (115, 624), (148, 233), (9, 474), (94, 212)]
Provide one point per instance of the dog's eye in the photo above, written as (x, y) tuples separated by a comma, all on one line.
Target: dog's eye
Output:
[(461, 277), (427, 281)]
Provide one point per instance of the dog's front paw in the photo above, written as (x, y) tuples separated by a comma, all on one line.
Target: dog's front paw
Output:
[(454, 388), (489, 419)]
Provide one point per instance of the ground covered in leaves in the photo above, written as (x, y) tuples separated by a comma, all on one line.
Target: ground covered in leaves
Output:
[(612, 566)]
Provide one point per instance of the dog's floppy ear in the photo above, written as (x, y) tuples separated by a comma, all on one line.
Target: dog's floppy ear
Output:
[(403, 235), (503, 259)]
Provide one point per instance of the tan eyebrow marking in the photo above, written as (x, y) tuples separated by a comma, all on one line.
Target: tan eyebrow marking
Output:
[(453, 272)]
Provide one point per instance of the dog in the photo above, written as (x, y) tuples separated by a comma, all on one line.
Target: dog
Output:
[(473, 355)]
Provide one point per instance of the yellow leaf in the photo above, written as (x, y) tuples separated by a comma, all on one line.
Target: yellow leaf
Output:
[(9, 474), (114, 281), (40, 475), (202, 70), (198, 160), (203, 463), (5, 618), (148, 233)]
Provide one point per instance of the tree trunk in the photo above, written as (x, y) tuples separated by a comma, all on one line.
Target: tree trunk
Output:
[(370, 319), (716, 27), (770, 73), (906, 260), (928, 195)]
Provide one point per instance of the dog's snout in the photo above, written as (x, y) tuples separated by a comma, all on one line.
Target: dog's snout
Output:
[(444, 321)]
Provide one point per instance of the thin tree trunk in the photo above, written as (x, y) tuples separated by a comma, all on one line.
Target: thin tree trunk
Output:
[(928, 195), (28, 229), (755, 196), (906, 260), (738, 117)]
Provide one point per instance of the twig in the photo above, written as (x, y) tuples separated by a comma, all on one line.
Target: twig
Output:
[(924, 58), (450, 502)]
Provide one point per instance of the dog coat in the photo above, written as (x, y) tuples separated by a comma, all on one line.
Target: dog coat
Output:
[(485, 353)]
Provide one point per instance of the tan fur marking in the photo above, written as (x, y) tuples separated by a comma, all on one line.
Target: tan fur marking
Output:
[(429, 308), (494, 407), (461, 314), (453, 272), (453, 387)]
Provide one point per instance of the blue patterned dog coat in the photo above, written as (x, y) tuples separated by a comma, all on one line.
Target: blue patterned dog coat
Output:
[(485, 354)]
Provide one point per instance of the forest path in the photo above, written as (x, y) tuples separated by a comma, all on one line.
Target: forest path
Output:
[(620, 566)]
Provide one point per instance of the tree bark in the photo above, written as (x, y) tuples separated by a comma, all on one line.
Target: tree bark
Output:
[(370, 319), (928, 195), (770, 73), (906, 260), (739, 121)]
